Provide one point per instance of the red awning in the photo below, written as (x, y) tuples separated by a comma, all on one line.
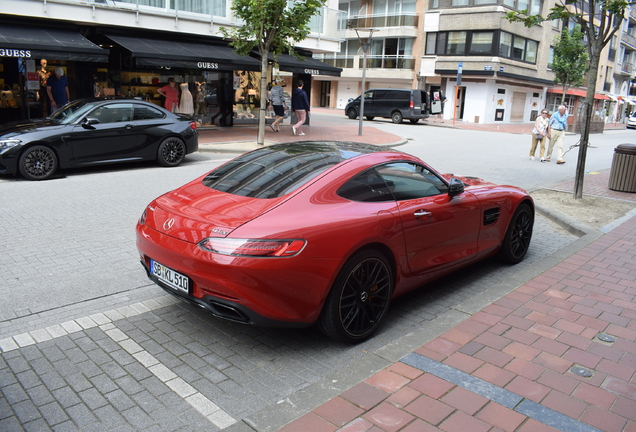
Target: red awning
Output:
[(576, 92)]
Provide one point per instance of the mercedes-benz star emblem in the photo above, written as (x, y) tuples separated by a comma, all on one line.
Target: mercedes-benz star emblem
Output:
[(168, 224)]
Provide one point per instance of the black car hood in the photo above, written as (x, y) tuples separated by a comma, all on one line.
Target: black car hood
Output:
[(25, 126)]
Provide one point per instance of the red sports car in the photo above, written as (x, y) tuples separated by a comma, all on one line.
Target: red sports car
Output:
[(324, 232)]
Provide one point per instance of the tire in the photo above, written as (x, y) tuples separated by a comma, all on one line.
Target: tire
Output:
[(396, 117), (171, 152), (414, 120), (359, 298), (352, 114), (370, 117), (518, 236), (37, 163)]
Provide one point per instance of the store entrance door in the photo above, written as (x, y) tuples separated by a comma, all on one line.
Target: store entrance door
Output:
[(325, 94)]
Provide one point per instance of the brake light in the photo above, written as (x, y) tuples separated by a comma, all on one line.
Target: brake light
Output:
[(193, 125), (411, 105), (253, 248)]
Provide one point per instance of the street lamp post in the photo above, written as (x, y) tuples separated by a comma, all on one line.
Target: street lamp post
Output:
[(365, 43)]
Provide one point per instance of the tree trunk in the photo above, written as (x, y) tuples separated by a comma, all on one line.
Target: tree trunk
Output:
[(260, 140), (586, 114)]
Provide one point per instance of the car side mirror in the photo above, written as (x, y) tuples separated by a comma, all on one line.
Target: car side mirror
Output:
[(89, 122), (455, 187), (350, 100)]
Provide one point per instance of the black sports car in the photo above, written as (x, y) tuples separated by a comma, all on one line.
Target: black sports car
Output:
[(96, 131)]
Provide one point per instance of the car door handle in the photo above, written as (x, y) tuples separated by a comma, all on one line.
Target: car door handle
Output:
[(130, 126), (421, 214)]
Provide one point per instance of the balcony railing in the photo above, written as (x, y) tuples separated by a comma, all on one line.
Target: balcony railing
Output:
[(382, 20), (373, 62), (628, 68), (628, 39)]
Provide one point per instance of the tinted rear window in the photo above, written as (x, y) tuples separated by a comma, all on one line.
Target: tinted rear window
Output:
[(275, 171)]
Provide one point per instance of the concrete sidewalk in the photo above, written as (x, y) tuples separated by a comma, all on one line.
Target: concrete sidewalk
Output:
[(556, 353)]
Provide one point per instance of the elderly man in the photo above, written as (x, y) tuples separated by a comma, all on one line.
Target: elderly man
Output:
[(57, 89), (557, 127)]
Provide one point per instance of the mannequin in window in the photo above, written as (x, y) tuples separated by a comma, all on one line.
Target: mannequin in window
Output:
[(199, 106), (43, 75), (186, 106)]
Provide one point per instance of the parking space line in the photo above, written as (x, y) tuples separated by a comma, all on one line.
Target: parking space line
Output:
[(199, 402)]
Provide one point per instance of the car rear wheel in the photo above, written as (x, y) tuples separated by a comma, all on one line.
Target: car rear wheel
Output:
[(397, 117), (172, 151), (352, 114), (517, 239), (414, 120), (359, 298), (370, 117), (38, 163)]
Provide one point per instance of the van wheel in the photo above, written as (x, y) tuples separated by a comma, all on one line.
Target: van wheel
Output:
[(414, 120), (352, 114), (370, 117), (396, 117)]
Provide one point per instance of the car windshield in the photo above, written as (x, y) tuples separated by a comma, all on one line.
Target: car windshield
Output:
[(71, 112)]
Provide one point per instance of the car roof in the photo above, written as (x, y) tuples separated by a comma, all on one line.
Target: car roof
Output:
[(273, 171)]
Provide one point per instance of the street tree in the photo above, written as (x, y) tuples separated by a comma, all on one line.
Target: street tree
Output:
[(599, 21), (271, 26), (570, 59)]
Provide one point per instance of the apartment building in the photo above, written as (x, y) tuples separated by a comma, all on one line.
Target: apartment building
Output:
[(131, 48), (490, 70)]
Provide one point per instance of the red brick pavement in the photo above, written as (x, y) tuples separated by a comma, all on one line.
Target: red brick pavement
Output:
[(526, 342)]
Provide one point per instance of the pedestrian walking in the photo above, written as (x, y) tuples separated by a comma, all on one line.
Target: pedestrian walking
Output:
[(300, 105), (538, 134), (277, 101), (556, 132)]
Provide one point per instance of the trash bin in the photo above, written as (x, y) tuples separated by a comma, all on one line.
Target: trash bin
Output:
[(623, 171)]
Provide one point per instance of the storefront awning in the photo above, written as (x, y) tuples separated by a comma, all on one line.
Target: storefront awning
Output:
[(576, 92), (38, 43), (194, 55), (309, 65)]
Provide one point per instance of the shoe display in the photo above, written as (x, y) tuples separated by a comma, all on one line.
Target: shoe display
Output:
[(560, 162), (294, 130)]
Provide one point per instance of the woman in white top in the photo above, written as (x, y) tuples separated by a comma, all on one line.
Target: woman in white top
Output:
[(538, 134)]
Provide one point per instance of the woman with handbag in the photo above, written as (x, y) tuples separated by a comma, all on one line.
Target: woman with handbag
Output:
[(538, 134)]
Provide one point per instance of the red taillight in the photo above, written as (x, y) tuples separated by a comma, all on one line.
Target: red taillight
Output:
[(193, 125), (252, 248), (411, 105)]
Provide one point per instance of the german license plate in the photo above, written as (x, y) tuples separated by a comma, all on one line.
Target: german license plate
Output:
[(170, 277)]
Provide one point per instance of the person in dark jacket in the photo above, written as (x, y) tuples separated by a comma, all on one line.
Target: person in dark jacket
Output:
[(300, 105)]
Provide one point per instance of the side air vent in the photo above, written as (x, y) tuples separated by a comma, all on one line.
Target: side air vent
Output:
[(491, 216)]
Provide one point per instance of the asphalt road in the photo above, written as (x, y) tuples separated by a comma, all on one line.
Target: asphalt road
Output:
[(90, 344)]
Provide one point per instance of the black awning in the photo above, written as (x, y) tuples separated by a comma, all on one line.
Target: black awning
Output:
[(195, 55), (309, 65), (51, 44)]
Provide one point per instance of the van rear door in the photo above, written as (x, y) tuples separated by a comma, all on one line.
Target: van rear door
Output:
[(425, 103)]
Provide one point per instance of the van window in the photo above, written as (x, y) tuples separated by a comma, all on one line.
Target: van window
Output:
[(397, 94)]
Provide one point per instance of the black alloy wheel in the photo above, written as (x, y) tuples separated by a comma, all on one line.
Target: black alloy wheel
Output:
[(172, 151), (359, 298), (37, 163), (517, 240), (352, 114)]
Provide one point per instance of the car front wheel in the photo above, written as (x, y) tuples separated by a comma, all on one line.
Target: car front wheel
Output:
[(518, 236), (172, 151), (352, 114), (38, 163), (359, 298)]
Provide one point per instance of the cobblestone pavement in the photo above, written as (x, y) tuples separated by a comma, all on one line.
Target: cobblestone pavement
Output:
[(89, 344)]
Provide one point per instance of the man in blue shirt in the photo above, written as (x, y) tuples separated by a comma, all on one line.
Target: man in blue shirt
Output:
[(57, 90), (557, 126)]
